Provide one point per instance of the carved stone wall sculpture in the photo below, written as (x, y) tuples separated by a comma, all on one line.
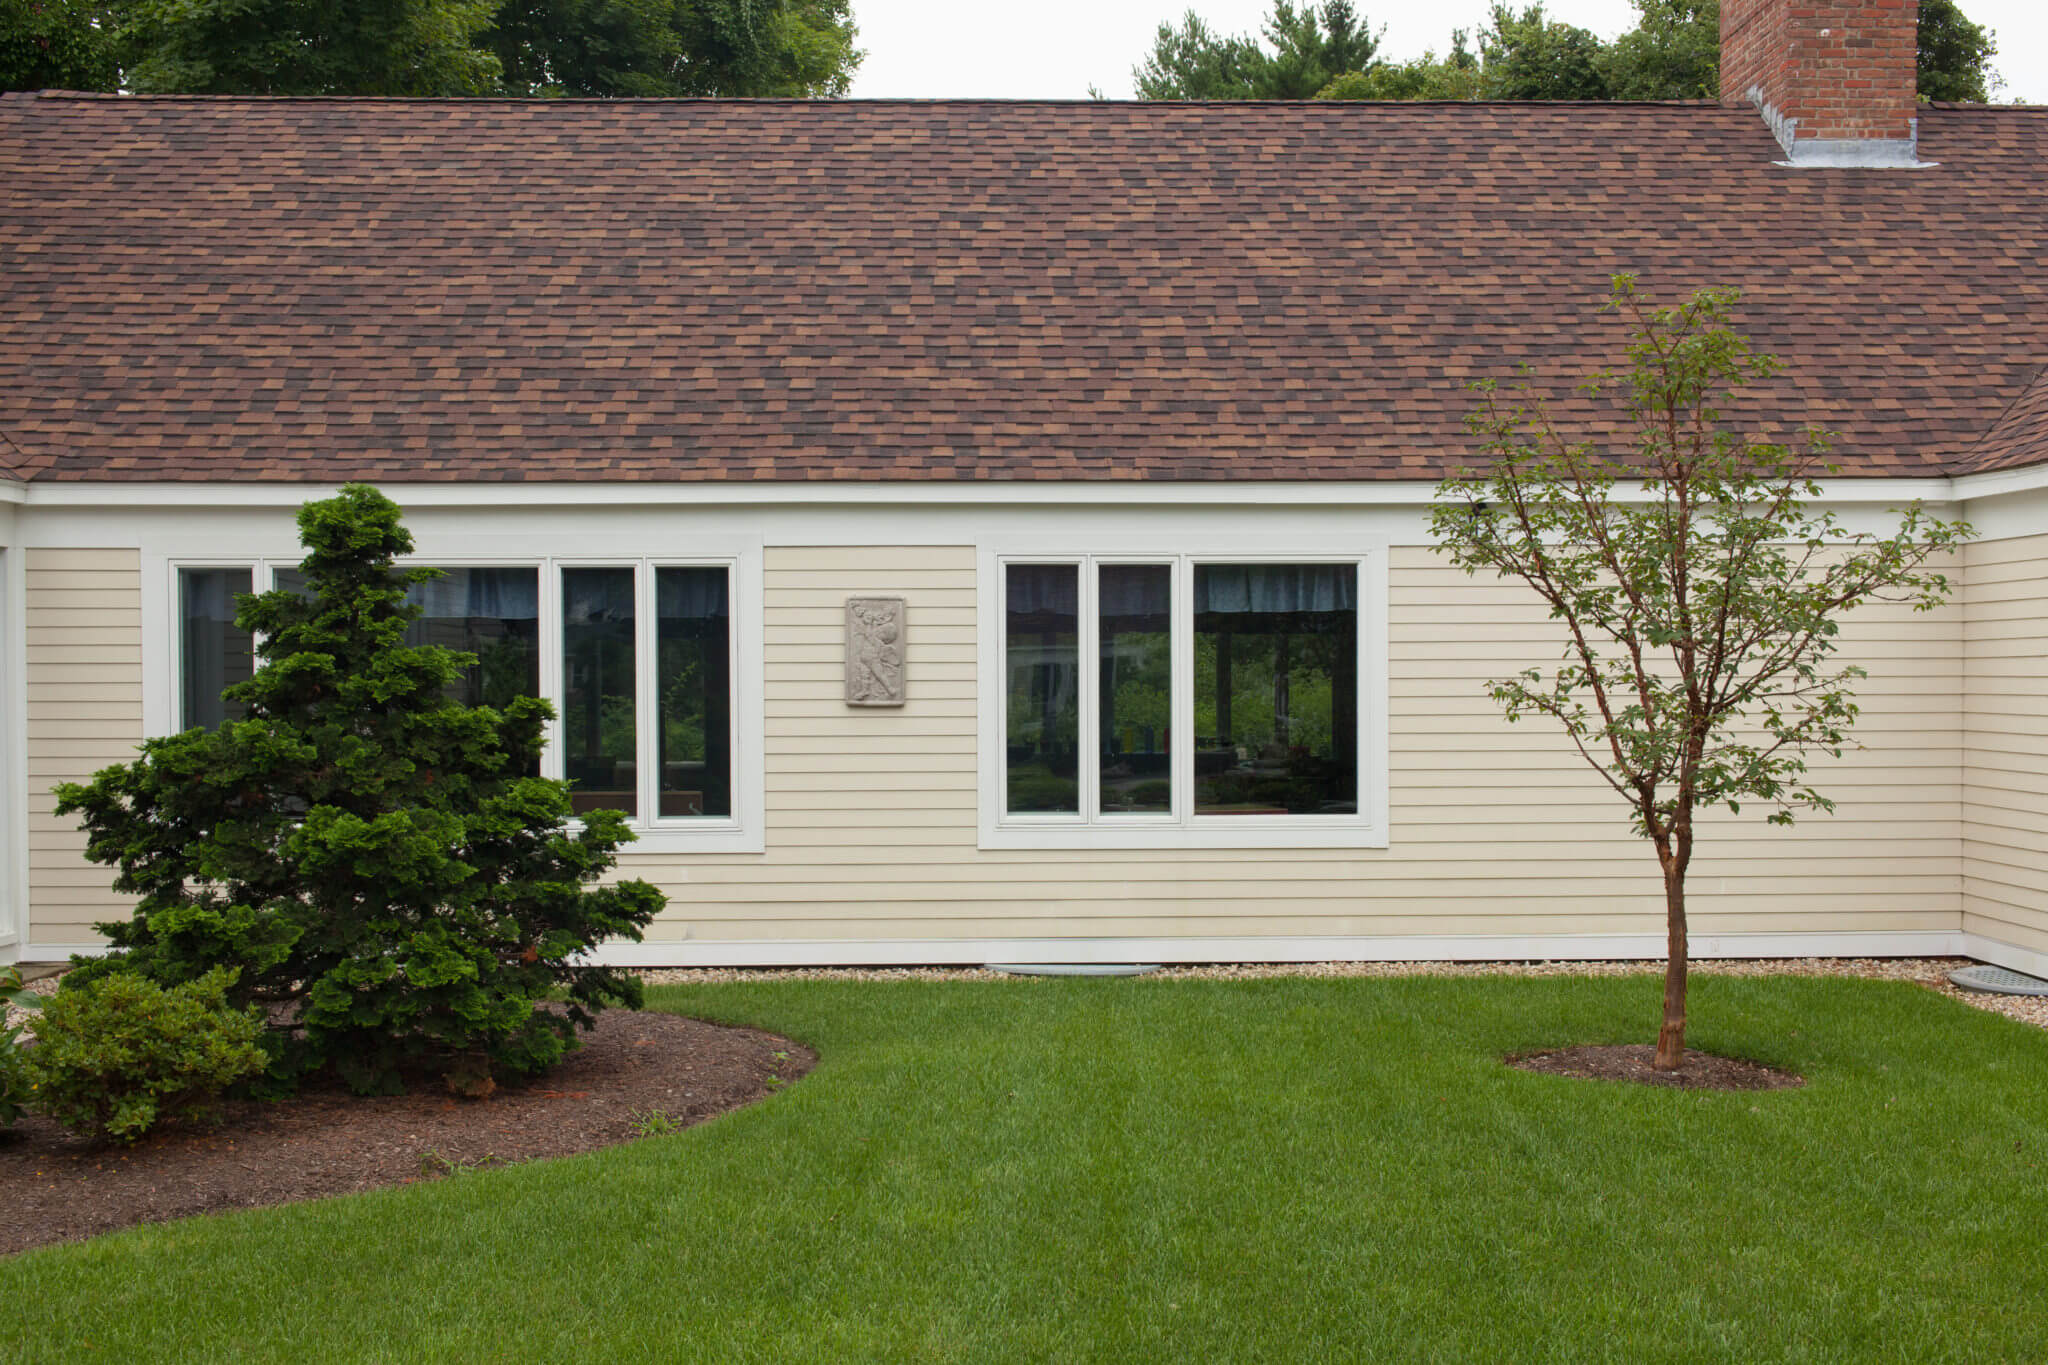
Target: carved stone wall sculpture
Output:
[(874, 651)]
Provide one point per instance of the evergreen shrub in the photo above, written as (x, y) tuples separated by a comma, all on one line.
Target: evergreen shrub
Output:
[(373, 857)]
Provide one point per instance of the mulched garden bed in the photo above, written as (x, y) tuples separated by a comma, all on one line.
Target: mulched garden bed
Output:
[(1631, 1062), (57, 1188)]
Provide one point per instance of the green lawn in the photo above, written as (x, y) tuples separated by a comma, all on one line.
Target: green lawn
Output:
[(1281, 1170)]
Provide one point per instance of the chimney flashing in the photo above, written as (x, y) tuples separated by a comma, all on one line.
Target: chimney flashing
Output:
[(1886, 153)]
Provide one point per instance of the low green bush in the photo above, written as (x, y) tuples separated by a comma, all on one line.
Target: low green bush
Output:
[(118, 1055), (14, 1083)]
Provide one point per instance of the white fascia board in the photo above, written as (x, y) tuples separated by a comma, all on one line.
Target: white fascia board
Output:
[(1366, 493), (12, 491), (2027, 480)]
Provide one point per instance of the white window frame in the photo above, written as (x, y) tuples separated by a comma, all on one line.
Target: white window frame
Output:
[(744, 831), (1181, 828)]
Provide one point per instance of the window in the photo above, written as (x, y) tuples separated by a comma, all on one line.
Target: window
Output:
[(1276, 689), (213, 652), (640, 659), (1184, 701), (493, 613)]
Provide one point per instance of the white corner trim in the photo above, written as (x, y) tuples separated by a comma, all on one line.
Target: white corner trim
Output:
[(14, 803), (1361, 948), (2002, 954)]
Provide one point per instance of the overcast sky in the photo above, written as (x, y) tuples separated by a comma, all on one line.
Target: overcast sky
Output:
[(1056, 49)]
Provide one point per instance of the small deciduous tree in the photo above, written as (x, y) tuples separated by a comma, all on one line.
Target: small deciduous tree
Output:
[(1699, 592), (373, 858)]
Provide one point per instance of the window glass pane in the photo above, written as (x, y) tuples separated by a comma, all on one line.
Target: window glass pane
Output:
[(1136, 683), (492, 613), (1276, 689), (213, 652), (693, 677), (597, 689), (1041, 662)]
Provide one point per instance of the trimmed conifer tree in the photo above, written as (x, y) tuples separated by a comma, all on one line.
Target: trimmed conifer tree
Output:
[(372, 856)]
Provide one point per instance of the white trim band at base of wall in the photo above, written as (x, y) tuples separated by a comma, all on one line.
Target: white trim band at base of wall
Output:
[(1375, 948), (1452, 948)]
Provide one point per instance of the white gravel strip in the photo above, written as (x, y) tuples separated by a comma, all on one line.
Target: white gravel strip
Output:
[(1931, 972)]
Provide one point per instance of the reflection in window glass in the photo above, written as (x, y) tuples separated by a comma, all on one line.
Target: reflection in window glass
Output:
[(1136, 680), (693, 667), (214, 652), (597, 689), (492, 613), (1041, 663), (1276, 689)]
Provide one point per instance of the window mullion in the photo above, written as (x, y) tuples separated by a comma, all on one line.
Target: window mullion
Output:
[(1183, 692), (1088, 681), (553, 679), (647, 752)]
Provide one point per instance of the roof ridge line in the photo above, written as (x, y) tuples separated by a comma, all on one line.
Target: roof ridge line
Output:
[(2019, 396), (625, 102), (16, 469)]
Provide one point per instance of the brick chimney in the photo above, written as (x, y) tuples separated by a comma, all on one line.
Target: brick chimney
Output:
[(1835, 79)]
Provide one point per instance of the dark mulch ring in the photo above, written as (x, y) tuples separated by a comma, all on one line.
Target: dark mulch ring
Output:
[(1631, 1062), (636, 1072)]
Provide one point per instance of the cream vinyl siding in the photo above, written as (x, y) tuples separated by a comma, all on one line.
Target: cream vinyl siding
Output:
[(1496, 829), (84, 694), (2005, 742)]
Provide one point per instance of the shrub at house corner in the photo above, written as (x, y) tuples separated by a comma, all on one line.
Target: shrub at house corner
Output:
[(371, 856)]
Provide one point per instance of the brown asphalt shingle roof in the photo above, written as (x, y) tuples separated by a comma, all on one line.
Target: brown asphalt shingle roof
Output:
[(503, 290), (2020, 436)]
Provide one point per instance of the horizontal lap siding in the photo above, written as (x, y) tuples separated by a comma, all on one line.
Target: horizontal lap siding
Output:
[(2005, 741), (1497, 829), (84, 713)]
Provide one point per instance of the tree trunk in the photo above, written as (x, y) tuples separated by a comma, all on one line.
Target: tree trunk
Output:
[(1671, 1037)]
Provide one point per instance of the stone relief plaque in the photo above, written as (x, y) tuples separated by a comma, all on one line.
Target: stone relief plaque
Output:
[(874, 651)]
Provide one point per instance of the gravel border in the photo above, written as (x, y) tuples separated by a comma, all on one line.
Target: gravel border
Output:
[(1931, 972)]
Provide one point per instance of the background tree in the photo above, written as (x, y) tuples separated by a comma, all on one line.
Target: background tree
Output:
[(467, 47), (1309, 47), (1456, 76), (366, 853), (676, 47), (1529, 56), (307, 47), (1701, 617), (1673, 53), (1955, 55), (55, 45)]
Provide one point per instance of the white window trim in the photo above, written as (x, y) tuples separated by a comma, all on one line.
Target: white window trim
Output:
[(744, 831), (1181, 829)]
